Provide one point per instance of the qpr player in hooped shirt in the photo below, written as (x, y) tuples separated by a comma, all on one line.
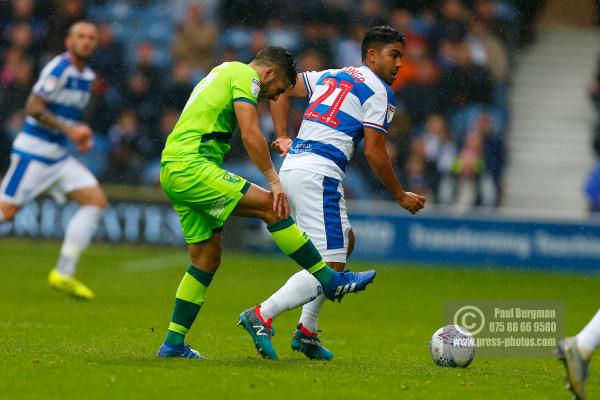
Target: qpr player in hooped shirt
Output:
[(346, 106), (40, 160)]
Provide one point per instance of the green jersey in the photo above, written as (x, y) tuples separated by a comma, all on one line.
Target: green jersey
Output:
[(208, 118)]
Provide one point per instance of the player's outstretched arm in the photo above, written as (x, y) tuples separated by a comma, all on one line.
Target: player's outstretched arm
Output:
[(80, 134), (377, 156), (257, 149), (280, 112)]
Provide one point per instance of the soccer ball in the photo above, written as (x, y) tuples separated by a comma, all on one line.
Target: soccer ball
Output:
[(452, 346)]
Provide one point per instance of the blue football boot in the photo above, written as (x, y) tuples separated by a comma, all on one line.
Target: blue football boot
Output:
[(180, 351), (260, 331), (307, 342), (345, 282)]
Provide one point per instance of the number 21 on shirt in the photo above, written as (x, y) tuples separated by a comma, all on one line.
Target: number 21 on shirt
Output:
[(329, 118)]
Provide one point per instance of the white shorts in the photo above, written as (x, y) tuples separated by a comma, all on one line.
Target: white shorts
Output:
[(319, 209), (28, 176)]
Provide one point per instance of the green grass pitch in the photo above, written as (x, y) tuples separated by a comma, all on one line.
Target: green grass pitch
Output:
[(55, 347)]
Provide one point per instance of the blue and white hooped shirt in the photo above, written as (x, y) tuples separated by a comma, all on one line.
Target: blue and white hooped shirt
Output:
[(342, 103), (66, 89)]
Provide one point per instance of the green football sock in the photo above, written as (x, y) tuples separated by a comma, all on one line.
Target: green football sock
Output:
[(188, 301), (296, 245)]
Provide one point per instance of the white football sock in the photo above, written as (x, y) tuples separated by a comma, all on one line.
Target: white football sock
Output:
[(310, 313), (78, 235), (301, 288), (589, 337)]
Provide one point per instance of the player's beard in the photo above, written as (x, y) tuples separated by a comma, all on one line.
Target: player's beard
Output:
[(82, 56), (264, 90)]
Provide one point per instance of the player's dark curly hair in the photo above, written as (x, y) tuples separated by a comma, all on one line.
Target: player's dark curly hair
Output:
[(378, 36), (281, 59)]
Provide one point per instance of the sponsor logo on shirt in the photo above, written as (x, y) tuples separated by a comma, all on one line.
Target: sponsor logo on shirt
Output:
[(255, 88), (390, 113), (50, 84)]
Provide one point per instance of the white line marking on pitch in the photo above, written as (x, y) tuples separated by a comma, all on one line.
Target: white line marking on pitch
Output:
[(153, 264)]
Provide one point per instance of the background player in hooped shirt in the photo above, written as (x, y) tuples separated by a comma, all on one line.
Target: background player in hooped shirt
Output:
[(345, 105), (204, 195), (40, 160)]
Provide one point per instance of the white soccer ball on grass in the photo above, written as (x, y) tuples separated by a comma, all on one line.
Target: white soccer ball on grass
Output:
[(452, 346)]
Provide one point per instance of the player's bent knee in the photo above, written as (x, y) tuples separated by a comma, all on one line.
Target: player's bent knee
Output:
[(92, 196), (208, 264), (9, 211), (269, 217), (100, 200)]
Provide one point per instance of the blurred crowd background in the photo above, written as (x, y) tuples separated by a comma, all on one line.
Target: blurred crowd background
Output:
[(448, 138), (592, 185)]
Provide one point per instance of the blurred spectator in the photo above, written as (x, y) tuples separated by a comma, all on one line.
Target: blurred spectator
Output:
[(415, 50), (195, 40), (9, 129), (466, 83), (13, 57), (129, 147), (109, 59), (179, 9), (101, 112), (415, 170), (311, 60), (258, 41), (179, 87), (63, 14), (494, 155), (315, 39), (14, 93), (592, 184), (145, 64), (487, 50), (440, 153), (468, 169), (423, 96), (23, 12), (143, 98), (21, 38), (281, 35), (401, 20), (348, 48), (528, 11), (451, 26), (372, 12), (152, 168), (594, 88)]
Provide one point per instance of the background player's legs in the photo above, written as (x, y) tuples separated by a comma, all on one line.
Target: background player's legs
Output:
[(24, 180), (81, 227), (589, 337)]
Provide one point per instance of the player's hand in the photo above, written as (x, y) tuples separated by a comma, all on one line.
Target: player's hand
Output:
[(282, 145), (412, 202), (280, 201), (82, 136)]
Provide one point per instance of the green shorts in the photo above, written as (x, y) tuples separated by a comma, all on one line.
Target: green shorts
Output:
[(203, 194)]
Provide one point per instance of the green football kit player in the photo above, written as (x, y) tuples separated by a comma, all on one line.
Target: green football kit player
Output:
[(204, 194)]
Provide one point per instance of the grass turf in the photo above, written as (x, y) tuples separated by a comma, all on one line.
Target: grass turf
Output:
[(55, 347)]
